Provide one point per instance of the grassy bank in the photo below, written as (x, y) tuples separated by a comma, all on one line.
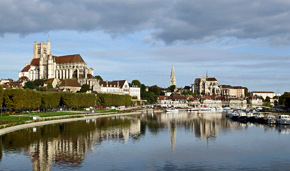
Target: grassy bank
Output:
[(17, 119)]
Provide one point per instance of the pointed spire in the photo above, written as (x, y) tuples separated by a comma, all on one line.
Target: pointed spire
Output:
[(172, 77), (206, 74)]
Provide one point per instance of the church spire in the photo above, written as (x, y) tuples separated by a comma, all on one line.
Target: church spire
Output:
[(172, 77)]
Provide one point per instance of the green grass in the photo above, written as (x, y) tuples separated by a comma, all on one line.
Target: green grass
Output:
[(55, 114), (15, 118)]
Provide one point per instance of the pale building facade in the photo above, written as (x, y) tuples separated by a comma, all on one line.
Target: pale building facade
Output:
[(44, 65), (232, 91), (207, 86), (263, 94), (120, 87)]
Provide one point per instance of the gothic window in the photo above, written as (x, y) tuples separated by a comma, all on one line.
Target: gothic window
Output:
[(44, 50), (38, 50)]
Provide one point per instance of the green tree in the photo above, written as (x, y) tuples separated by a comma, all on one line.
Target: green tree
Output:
[(247, 93), (172, 88), (137, 83), (155, 89), (1, 94), (267, 99), (49, 86), (285, 99), (29, 85), (98, 77), (39, 82), (85, 88)]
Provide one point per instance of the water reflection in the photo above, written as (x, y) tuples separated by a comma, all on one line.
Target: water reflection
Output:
[(67, 145)]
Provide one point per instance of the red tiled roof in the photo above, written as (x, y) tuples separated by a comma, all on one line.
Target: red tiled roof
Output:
[(70, 83), (25, 69), (35, 62), (69, 59), (112, 83)]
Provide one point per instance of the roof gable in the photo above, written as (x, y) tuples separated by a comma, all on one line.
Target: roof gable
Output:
[(69, 59)]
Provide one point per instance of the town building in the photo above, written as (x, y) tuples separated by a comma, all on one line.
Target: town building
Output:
[(232, 91), (121, 87), (44, 65), (263, 94), (206, 86), (70, 85)]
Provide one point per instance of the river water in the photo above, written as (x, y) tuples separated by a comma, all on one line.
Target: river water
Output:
[(160, 141)]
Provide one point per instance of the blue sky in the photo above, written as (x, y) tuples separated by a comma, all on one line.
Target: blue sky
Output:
[(240, 43)]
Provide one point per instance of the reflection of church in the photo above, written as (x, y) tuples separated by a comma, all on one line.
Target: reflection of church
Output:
[(44, 65)]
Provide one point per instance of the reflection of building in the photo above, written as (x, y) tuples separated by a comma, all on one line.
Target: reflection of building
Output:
[(69, 150), (173, 134)]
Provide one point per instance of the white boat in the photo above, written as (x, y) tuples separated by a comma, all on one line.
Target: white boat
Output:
[(250, 116), (259, 117), (283, 119), (242, 115), (171, 110), (270, 119), (234, 115)]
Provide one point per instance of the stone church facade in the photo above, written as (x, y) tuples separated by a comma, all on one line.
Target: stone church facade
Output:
[(44, 65)]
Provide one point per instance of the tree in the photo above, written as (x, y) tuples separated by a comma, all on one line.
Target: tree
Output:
[(1, 94), (49, 86), (29, 85), (85, 88), (137, 83), (267, 99), (285, 99), (98, 77), (172, 88), (247, 94), (39, 82), (155, 89)]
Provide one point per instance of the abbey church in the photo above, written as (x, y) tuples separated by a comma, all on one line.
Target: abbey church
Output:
[(44, 65)]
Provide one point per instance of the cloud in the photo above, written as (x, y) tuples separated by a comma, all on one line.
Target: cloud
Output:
[(172, 21)]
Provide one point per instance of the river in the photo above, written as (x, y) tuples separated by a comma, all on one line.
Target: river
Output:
[(159, 141)]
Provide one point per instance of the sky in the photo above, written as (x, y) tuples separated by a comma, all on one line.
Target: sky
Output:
[(239, 42)]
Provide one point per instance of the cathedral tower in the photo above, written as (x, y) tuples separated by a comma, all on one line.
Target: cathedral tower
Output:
[(172, 77)]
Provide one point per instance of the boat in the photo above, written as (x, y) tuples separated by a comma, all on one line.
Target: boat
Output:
[(242, 116), (250, 117), (259, 117), (269, 119), (234, 115), (283, 119), (171, 110)]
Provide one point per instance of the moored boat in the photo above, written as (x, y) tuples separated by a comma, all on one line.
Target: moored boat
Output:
[(270, 119), (283, 119), (259, 117), (171, 110)]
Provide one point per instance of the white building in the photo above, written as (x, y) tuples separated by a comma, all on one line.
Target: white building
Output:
[(263, 94), (44, 65), (121, 87)]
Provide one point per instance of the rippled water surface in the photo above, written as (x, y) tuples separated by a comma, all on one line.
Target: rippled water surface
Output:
[(160, 141)]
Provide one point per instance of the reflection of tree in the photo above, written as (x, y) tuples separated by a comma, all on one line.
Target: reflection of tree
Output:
[(67, 144)]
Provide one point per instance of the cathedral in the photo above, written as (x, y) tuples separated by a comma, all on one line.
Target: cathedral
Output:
[(44, 65)]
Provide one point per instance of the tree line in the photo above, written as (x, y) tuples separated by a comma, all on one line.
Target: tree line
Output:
[(26, 99)]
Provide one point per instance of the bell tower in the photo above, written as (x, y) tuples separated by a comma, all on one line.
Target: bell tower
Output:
[(172, 77)]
